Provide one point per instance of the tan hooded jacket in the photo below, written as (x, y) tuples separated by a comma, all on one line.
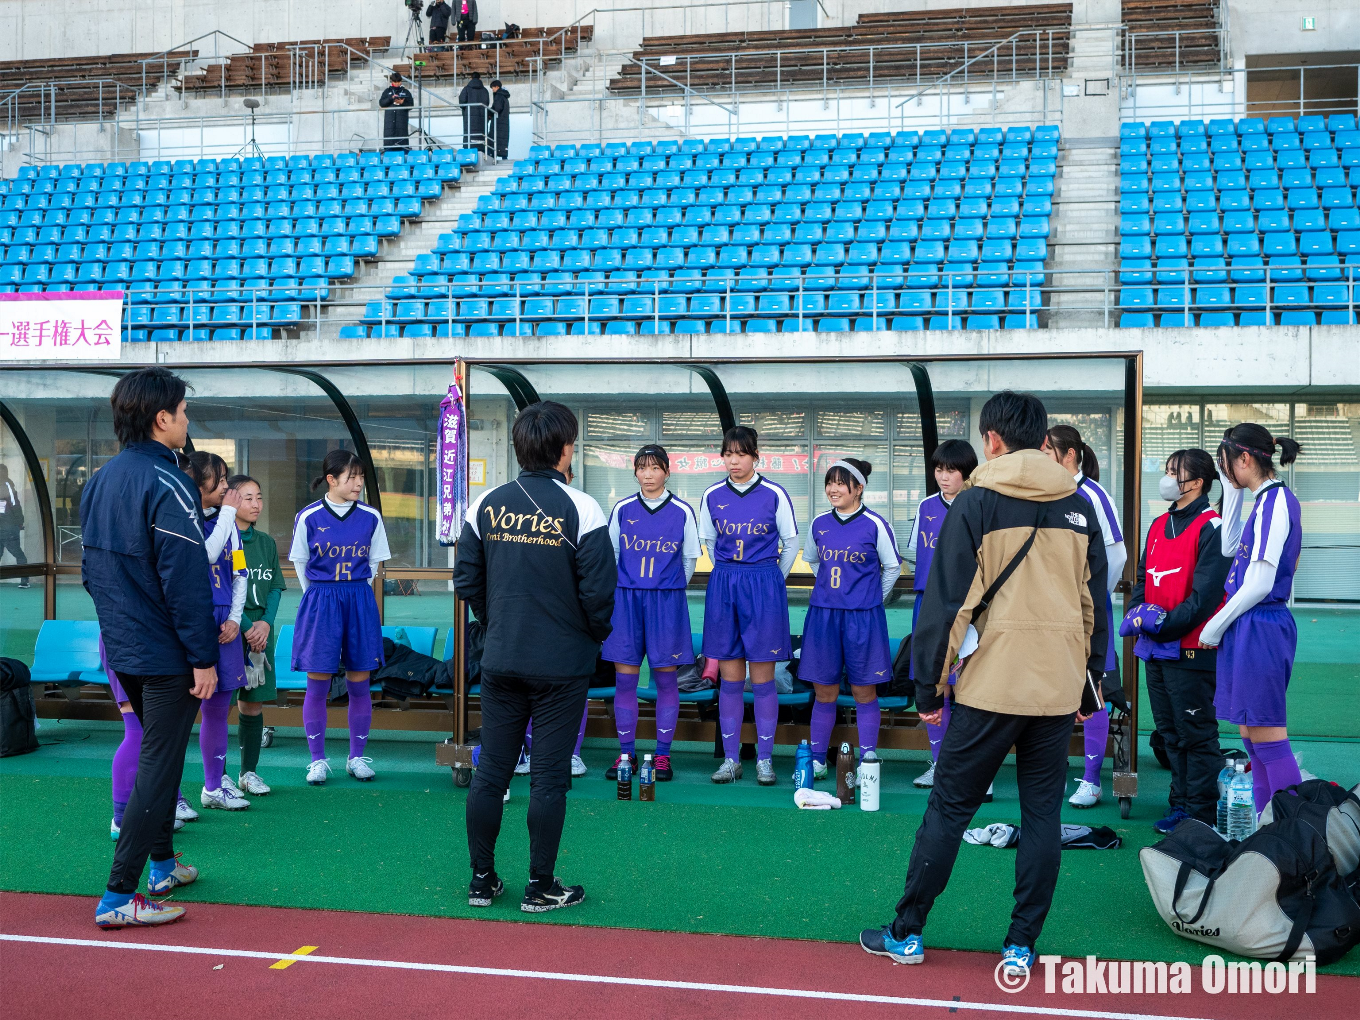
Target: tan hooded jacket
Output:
[(1041, 633)]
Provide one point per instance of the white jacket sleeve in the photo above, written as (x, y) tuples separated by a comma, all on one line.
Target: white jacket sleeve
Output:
[(238, 597), (224, 523), (1230, 534), (889, 562)]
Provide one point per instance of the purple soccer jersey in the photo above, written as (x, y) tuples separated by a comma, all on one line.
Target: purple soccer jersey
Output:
[(651, 542), (929, 520), (337, 547), (1274, 505), (848, 552), (230, 563), (745, 522)]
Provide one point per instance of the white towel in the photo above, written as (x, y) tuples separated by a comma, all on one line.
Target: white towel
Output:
[(815, 800)]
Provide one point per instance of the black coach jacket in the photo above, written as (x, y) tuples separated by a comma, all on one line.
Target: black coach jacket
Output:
[(144, 565), (536, 566)]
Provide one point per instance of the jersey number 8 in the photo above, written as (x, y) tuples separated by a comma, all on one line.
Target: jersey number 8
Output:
[(835, 577)]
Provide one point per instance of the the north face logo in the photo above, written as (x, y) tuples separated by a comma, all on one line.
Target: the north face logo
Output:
[(1074, 518)]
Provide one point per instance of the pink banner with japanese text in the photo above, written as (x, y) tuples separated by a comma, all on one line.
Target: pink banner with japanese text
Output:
[(61, 326)]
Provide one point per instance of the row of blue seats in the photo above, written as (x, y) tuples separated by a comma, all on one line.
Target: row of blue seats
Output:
[(1283, 269), (631, 165), (1332, 168), (777, 143), (1346, 142), (915, 173), (1243, 126), (698, 305), (657, 197), (333, 226), (1211, 245), (412, 157), (672, 215), (445, 260), (1328, 295), (287, 312), (200, 335), (229, 203), (1239, 196), (1240, 221), (665, 327), (653, 238), (184, 219), (1133, 320), (154, 280), (1194, 201), (202, 248), (916, 275), (306, 181)]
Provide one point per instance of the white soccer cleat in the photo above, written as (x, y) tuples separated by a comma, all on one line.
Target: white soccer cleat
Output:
[(818, 769), (253, 784), (231, 787), (926, 779), (181, 874), (522, 766), (318, 772), (138, 912), (728, 772), (222, 800), (1087, 795), (578, 766), (359, 769), (185, 812), (114, 829)]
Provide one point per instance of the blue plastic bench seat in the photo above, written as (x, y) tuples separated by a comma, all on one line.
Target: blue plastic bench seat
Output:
[(67, 652)]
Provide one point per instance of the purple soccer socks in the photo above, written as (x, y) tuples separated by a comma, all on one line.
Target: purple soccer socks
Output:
[(730, 710), (314, 716), (767, 718), (667, 708), (360, 717), (125, 764), (823, 719), (1276, 760), (935, 732), (626, 711), (1096, 732), (212, 738), (866, 721)]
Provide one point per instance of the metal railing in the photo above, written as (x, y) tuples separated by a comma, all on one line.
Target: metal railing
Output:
[(1180, 62), (1089, 296), (1148, 95), (18, 104)]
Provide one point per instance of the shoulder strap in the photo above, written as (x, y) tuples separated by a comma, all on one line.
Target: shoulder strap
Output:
[(1182, 877), (990, 594)]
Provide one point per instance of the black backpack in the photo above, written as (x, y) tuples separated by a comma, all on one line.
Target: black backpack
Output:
[(18, 734), (1276, 895), (901, 685)]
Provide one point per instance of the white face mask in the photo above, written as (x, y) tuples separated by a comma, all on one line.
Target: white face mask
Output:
[(1169, 489)]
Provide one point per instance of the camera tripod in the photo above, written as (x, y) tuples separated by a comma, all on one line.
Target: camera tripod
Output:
[(252, 147), (414, 27)]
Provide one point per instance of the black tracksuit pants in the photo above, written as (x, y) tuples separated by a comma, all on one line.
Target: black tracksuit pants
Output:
[(1182, 703), (972, 751), (166, 708), (508, 703)]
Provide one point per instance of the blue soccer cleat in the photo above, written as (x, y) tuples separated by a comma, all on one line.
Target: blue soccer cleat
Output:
[(167, 876), (1017, 961), (880, 942), (118, 910), (1173, 818)]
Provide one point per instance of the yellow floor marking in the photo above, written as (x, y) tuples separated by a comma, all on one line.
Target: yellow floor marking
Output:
[(300, 951)]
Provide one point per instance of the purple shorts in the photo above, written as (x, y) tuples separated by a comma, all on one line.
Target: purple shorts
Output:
[(1255, 659), (231, 657), (853, 640), (651, 622), (746, 614), (337, 627)]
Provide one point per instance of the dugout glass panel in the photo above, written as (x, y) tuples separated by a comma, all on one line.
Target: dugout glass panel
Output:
[(21, 596), (1326, 479)]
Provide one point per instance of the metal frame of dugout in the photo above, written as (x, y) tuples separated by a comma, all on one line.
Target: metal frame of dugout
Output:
[(902, 729)]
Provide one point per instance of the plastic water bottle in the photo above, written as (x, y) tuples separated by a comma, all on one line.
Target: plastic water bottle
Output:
[(647, 779), (868, 778), (1224, 778), (625, 778), (802, 766), (1241, 807)]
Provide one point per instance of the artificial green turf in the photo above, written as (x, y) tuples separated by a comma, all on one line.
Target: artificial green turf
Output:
[(736, 860)]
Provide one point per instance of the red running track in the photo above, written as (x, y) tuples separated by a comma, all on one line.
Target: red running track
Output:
[(222, 961)]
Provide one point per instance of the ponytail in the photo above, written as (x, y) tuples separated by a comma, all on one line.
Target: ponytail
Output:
[(1256, 442), (206, 469), (1065, 439), (337, 464)]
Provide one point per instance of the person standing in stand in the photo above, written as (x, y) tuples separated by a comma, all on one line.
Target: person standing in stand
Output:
[(11, 523), (1178, 586), (467, 20), (397, 100)]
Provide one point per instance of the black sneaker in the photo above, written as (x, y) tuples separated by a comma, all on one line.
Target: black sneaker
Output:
[(539, 901), (483, 889), (613, 771)]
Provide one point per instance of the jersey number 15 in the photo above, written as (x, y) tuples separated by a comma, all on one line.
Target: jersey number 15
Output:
[(342, 571)]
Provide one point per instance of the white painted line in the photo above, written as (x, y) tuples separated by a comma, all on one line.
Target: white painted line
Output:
[(600, 979)]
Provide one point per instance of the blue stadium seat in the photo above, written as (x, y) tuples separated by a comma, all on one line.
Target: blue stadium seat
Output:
[(67, 653)]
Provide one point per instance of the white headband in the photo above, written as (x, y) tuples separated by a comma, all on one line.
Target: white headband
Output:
[(854, 471)]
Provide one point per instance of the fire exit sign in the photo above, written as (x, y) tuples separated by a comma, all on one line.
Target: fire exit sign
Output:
[(1309, 25)]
